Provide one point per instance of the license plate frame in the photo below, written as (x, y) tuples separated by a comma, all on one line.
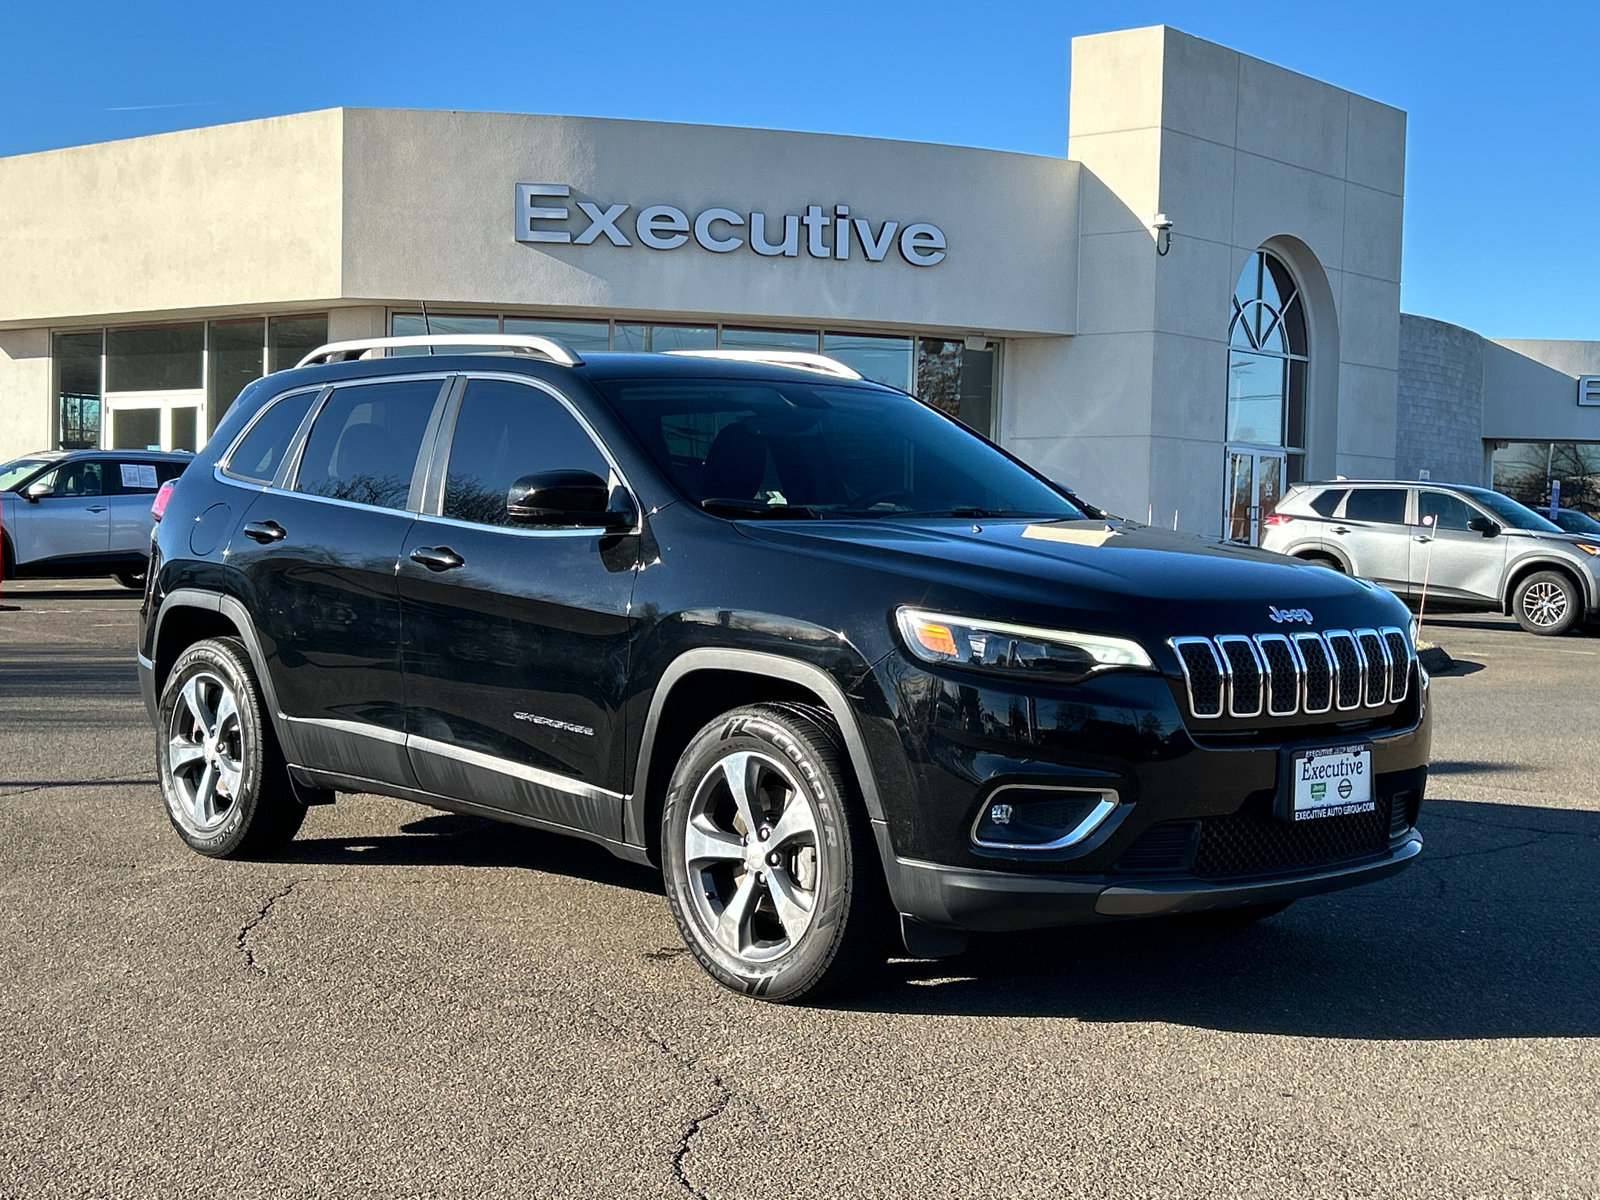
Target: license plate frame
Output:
[(1327, 781)]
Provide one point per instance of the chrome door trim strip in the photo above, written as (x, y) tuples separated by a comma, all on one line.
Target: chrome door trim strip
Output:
[(505, 766)]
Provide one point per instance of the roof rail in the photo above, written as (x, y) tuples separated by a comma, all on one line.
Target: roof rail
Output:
[(517, 343), (803, 360)]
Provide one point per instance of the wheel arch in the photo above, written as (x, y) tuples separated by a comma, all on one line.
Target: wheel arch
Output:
[(1312, 553), (702, 683), (1526, 567), (189, 615)]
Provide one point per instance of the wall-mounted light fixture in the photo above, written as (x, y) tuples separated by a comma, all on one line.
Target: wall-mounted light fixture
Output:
[(1162, 228)]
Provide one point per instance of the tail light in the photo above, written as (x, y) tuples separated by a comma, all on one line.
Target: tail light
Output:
[(1276, 519), (162, 497)]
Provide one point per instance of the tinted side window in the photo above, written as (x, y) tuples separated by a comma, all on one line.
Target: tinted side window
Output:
[(1327, 501), (363, 445), (258, 454), (75, 479), (1387, 505), (1450, 512), (503, 432)]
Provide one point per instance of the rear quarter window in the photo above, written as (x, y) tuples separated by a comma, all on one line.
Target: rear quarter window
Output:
[(1324, 503), (258, 454)]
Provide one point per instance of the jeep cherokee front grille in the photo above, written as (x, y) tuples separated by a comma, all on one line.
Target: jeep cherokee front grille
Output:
[(1279, 675)]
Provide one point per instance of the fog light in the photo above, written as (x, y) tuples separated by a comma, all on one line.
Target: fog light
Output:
[(1042, 818)]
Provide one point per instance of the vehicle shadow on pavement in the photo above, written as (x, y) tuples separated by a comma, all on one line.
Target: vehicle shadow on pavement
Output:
[(1488, 935), (456, 840), (39, 595)]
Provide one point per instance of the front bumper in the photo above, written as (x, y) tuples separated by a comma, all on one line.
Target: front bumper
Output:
[(999, 901)]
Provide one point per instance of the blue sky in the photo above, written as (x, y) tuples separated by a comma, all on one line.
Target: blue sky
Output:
[(1502, 175)]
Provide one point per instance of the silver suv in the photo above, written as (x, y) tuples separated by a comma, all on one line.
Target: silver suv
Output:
[(1470, 547)]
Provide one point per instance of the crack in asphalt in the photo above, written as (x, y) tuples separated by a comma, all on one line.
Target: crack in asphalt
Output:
[(107, 781), (249, 927), (725, 1095)]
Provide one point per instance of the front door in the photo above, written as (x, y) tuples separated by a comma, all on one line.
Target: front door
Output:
[(516, 636), (1255, 485), (153, 421), (70, 527), (319, 558), (1450, 559)]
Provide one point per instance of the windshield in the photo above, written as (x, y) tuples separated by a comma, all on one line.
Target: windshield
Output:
[(807, 449), (1509, 512), (13, 473), (1574, 521)]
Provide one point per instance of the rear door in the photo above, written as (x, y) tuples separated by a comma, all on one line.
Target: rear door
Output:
[(319, 550), (131, 485), (1372, 530), (68, 529), (1451, 559), (516, 656)]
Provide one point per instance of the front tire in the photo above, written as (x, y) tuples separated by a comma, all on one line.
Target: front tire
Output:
[(223, 776), (771, 867), (1547, 603)]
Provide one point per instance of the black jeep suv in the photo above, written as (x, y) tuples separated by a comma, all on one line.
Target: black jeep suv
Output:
[(836, 663)]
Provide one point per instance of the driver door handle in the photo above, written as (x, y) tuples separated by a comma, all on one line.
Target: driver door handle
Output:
[(1340, 529), (437, 558), (265, 531), (97, 508)]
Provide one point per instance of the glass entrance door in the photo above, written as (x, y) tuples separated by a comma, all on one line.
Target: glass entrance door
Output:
[(152, 421), (1254, 487)]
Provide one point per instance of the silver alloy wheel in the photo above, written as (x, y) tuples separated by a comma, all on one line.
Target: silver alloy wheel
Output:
[(750, 855), (1544, 604), (205, 749)]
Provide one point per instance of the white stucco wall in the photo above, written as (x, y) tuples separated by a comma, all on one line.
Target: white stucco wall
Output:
[(1239, 154), (1530, 390), (428, 201), (24, 389)]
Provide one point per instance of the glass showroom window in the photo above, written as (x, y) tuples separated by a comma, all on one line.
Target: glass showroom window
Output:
[(78, 391), (1525, 470), (1267, 361)]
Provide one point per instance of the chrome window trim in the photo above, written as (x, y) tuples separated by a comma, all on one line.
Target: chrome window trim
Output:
[(224, 465), (1096, 817), (1366, 674), (1301, 639), (1223, 674), (583, 422), (1299, 674), (1338, 674), (506, 766), (1223, 641)]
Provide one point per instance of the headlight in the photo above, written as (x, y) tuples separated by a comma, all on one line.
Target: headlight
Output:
[(1051, 654)]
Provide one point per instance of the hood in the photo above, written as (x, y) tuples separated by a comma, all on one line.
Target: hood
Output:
[(1126, 575)]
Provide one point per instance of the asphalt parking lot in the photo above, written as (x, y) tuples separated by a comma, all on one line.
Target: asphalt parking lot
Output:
[(414, 1004)]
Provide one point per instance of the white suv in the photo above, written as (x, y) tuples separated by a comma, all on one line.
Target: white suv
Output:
[(1470, 547)]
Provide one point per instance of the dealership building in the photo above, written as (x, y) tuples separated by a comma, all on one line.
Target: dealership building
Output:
[(1197, 305)]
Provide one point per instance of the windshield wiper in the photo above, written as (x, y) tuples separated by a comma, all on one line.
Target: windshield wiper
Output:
[(757, 508)]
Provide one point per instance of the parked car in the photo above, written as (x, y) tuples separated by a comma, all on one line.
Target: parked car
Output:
[(826, 655), (1472, 547), (1573, 521), (81, 512)]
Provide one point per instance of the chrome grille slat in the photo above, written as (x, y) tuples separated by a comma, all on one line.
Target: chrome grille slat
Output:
[(1285, 675)]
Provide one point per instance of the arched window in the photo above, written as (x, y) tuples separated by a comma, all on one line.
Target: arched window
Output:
[(1267, 359)]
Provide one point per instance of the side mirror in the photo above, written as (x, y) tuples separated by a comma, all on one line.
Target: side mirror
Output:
[(38, 491), (579, 498), (1484, 526)]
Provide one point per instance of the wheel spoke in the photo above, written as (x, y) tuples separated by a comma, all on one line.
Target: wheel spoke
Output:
[(732, 931), (794, 906), (227, 711), (797, 821), (736, 769), (205, 796), (231, 775), (182, 754), (710, 845), (195, 699)]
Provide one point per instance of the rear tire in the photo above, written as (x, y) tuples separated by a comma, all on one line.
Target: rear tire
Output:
[(771, 868), (223, 775), (1324, 560), (1547, 603)]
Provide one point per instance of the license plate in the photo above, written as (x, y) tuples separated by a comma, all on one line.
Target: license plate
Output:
[(1332, 782)]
